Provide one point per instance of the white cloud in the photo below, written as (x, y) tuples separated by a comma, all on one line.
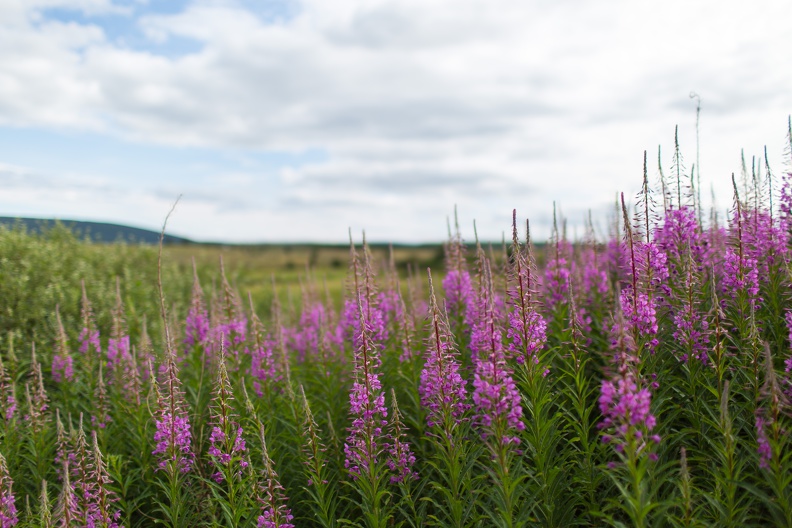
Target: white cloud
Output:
[(418, 104)]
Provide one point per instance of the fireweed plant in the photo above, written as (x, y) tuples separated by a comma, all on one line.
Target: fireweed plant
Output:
[(643, 379)]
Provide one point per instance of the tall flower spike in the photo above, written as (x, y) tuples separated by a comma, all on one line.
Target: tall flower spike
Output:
[(263, 367), (527, 328), (8, 511), (100, 501), (401, 458), (624, 404), (81, 464), (230, 326), (173, 436), (8, 403), (118, 346), (495, 395), (367, 406), (197, 326), (442, 387), (274, 511), (457, 284), (62, 362), (38, 401), (89, 335), (101, 415), (67, 511), (227, 443), (313, 449), (145, 351), (557, 272), (45, 510), (740, 270)]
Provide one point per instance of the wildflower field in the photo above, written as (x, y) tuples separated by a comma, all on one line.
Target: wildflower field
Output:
[(639, 380)]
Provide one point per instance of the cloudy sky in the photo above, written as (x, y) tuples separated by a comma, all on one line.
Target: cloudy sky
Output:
[(285, 120)]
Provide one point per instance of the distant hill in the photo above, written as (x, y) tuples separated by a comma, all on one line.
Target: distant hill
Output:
[(95, 231)]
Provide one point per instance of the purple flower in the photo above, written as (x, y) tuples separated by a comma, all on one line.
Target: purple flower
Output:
[(7, 396), (228, 446), (788, 360), (263, 363), (741, 274), (640, 312), (376, 321), (626, 412), (67, 510), (89, 335), (680, 236), (100, 499), (556, 283), (101, 415), (197, 324), (8, 511), (764, 449), (38, 401), (497, 400), (367, 405), (173, 437), (442, 388), (62, 363), (401, 458), (595, 277), (764, 238), (274, 511), (527, 328), (459, 293), (692, 331), (495, 395), (527, 332)]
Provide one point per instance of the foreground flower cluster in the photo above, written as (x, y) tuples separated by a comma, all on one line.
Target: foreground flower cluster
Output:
[(640, 380)]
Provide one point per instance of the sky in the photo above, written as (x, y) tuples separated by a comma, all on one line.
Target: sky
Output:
[(297, 120)]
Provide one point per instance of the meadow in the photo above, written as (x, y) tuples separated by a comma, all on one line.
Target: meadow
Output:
[(641, 379)]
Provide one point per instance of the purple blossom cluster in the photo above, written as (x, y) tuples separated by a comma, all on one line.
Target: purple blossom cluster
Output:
[(680, 236), (401, 458), (741, 274), (764, 449), (594, 278), (556, 280), (366, 438), (274, 511), (7, 397), (224, 447), (640, 312), (89, 335), (173, 441), (376, 320), (527, 333), (459, 293), (227, 444), (764, 239), (692, 331), (196, 329), (497, 400), (62, 361), (8, 511), (442, 388), (626, 411), (652, 263), (173, 436)]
